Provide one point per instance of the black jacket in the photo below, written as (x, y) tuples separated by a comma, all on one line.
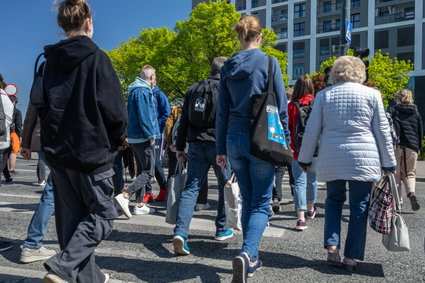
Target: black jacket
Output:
[(186, 131), (85, 117), (17, 121), (408, 125)]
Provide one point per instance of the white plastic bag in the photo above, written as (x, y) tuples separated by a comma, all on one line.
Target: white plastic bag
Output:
[(233, 204)]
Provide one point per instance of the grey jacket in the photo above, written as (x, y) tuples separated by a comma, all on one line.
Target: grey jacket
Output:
[(31, 130), (355, 141)]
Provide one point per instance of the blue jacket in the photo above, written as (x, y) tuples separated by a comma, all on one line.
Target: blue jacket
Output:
[(243, 75), (142, 116), (162, 107)]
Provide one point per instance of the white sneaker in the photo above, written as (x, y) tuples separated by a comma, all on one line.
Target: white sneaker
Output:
[(42, 183), (143, 210), (52, 277), (202, 206), (123, 204), (106, 277), (31, 255)]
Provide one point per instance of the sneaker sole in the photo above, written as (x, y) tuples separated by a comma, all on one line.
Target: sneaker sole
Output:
[(250, 275), (52, 279), (239, 270), (301, 228), (222, 238), (126, 213), (311, 217), (30, 259), (5, 249), (178, 245)]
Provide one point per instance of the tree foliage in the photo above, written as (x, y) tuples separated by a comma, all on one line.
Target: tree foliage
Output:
[(388, 75), (183, 56)]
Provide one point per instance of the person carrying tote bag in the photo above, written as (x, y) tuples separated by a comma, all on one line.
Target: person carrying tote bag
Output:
[(176, 185), (233, 204)]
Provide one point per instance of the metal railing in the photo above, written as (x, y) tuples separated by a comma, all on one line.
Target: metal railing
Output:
[(282, 35), (281, 18), (328, 28), (397, 17)]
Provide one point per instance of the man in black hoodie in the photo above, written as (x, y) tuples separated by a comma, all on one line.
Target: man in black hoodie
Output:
[(83, 121)]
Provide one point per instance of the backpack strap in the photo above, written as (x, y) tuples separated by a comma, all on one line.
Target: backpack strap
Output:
[(297, 103), (270, 74)]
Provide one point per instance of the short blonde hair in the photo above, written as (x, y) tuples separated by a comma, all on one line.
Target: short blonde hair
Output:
[(403, 96), (147, 71), (348, 69)]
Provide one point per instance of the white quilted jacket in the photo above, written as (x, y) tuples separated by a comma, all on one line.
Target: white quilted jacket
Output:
[(355, 141)]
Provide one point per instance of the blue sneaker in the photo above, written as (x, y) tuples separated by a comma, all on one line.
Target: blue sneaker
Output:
[(180, 245), (252, 269), (240, 268), (224, 235)]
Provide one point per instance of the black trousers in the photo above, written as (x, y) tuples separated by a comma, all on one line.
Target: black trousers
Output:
[(85, 211)]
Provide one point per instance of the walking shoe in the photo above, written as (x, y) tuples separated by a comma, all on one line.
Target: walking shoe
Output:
[(106, 277), (312, 214), (224, 235), (162, 195), (254, 267), (414, 202), (4, 246), (148, 198), (240, 268), (301, 225), (13, 172), (52, 277), (31, 255), (123, 204), (42, 183), (333, 258), (180, 245), (276, 205), (9, 180), (143, 210), (202, 206)]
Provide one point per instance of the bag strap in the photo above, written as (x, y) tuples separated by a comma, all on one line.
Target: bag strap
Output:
[(270, 80), (394, 192), (36, 65), (233, 178), (179, 167)]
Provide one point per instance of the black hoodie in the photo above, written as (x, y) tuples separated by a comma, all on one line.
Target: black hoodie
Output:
[(85, 117), (408, 125)]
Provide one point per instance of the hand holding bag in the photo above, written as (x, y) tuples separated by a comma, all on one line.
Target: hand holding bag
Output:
[(233, 204), (398, 239), (268, 138), (176, 185)]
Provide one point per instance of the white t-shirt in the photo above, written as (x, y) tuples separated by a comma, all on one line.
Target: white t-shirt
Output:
[(8, 111)]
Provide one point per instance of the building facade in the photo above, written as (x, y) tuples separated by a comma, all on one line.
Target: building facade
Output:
[(309, 31)]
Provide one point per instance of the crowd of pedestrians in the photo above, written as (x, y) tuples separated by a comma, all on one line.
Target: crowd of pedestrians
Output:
[(82, 126)]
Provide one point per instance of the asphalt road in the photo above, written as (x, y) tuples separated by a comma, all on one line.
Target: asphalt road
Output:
[(140, 249)]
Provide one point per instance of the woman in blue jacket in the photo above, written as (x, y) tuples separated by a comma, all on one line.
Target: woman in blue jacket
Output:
[(243, 75)]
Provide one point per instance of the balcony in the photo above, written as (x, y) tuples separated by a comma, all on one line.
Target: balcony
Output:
[(240, 5), (398, 17), (278, 1), (278, 19), (328, 28), (282, 35)]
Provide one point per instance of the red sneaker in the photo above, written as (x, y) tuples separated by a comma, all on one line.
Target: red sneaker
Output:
[(162, 195), (148, 198)]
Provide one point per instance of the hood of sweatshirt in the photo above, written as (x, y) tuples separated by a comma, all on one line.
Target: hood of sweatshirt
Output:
[(406, 108), (67, 54), (242, 64), (138, 82)]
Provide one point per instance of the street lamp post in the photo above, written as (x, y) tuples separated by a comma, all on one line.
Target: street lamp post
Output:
[(345, 16)]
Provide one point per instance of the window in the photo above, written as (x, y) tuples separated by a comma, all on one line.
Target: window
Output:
[(355, 20), (297, 70), (254, 3), (405, 36), (299, 11), (355, 40), (409, 13), (299, 29), (338, 5), (355, 3), (406, 56), (381, 39), (299, 49), (338, 24), (327, 6), (327, 26), (281, 47)]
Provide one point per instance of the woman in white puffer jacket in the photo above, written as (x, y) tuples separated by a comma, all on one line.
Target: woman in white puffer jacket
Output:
[(355, 146)]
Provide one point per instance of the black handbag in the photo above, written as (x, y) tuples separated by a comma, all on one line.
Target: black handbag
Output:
[(268, 138)]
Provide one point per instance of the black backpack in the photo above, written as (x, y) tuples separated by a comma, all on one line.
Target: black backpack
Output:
[(202, 105), (301, 122)]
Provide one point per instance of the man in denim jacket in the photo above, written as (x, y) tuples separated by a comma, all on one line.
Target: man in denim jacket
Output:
[(142, 130)]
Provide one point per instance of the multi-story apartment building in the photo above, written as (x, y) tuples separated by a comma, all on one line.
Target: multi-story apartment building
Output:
[(309, 31)]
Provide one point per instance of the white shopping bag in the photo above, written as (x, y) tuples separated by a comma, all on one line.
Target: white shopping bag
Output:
[(233, 204), (176, 186)]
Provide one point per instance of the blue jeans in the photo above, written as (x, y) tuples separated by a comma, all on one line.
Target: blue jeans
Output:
[(305, 188), (255, 178), (201, 156), (359, 194), (43, 213)]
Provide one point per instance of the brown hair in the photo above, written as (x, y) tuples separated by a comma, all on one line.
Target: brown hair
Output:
[(72, 14), (248, 28), (2, 82), (303, 86), (403, 96)]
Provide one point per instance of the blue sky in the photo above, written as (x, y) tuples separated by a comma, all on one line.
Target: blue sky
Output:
[(28, 25)]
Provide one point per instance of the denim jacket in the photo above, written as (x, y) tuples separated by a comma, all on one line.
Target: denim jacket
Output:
[(143, 121)]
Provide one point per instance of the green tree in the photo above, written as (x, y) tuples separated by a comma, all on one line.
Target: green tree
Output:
[(183, 56), (388, 75)]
